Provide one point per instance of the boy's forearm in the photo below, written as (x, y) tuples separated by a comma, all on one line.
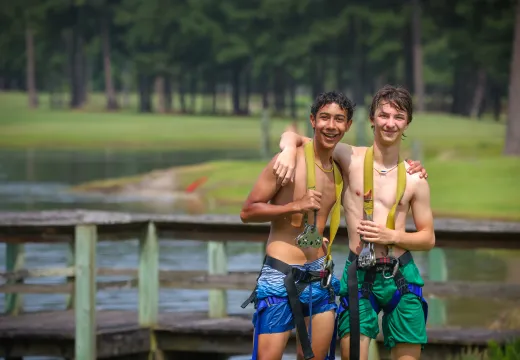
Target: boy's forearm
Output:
[(422, 240), (290, 139), (262, 212)]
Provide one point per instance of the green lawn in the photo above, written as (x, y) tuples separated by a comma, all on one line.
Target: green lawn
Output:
[(441, 136)]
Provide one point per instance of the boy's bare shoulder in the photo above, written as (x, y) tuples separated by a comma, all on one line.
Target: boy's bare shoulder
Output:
[(359, 150), (413, 178)]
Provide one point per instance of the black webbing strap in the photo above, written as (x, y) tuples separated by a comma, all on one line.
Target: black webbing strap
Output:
[(252, 297), (353, 302), (294, 301)]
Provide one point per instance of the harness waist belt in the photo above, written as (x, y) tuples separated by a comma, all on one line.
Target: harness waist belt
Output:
[(403, 259), (292, 275)]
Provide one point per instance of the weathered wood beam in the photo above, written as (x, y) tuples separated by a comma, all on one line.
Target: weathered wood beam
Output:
[(69, 272), (54, 226), (14, 259), (246, 281), (149, 277), (85, 292), (217, 266)]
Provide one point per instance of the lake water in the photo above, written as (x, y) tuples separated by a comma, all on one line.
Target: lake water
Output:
[(37, 180)]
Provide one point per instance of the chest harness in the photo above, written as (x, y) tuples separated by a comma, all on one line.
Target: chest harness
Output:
[(296, 279)]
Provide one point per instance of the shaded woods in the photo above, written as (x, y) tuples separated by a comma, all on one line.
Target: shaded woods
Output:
[(461, 56)]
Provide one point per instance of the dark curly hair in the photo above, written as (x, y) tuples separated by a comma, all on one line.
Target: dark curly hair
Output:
[(330, 97)]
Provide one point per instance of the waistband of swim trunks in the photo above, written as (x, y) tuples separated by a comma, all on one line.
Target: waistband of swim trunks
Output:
[(403, 259), (312, 265)]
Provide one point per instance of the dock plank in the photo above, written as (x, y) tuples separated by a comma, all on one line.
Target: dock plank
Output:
[(58, 225), (118, 334), (60, 325)]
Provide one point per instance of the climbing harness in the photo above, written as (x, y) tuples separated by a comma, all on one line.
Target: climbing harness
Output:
[(296, 279), (382, 265)]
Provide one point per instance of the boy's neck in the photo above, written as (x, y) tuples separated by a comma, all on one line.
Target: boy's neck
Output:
[(324, 156), (386, 156)]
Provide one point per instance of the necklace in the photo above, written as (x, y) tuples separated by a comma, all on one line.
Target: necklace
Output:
[(386, 171), (322, 169)]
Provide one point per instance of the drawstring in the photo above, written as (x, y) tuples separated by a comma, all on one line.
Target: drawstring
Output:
[(310, 313), (255, 336)]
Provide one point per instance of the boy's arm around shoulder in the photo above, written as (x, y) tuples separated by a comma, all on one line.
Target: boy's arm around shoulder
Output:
[(424, 238), (257, 207)]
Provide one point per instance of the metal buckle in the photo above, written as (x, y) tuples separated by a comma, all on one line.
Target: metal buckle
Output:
[(328, 267), (367, 257)]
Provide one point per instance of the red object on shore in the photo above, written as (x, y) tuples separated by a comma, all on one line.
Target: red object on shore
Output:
[(196, 184)]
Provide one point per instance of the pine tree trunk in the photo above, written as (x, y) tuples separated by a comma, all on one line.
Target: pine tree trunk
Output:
[(236, 90), (145, 93), (512, 146), (292, 99), (159, 91), (182, 92), (107, 64), (193, 91), (418, 79), (279, 91), (76, 59), (247, 92), (168, 94), (31, 72), (214, 94), (478, 96)]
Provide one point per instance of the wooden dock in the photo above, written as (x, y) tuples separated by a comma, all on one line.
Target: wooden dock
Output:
[(119, 334), (188, 335)]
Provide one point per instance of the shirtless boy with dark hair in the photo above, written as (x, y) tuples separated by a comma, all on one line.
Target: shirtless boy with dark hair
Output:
[(296, 282)]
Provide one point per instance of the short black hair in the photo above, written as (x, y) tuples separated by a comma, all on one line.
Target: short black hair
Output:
[(330, 97)]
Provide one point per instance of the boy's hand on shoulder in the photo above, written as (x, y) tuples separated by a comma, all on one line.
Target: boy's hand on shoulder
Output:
[(416, 167), (285, 165)]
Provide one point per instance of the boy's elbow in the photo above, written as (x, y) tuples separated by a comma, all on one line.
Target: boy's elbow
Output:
[(431, 243), (244, 216)]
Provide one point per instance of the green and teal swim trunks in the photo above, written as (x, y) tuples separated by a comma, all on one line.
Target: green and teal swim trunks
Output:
[(400, 298)]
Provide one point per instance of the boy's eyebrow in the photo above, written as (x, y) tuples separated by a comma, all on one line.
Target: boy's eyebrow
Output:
[(326, 113)]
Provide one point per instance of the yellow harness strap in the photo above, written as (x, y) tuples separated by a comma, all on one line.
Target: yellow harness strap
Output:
[(368, 191), (335, 215)]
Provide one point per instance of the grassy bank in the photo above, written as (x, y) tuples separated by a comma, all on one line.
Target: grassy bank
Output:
[(477, 189)]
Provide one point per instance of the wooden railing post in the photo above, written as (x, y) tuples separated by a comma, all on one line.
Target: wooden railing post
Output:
[(217, 265), (71, 261), (437, 271), (14, 260), (149, 277), (85, 294)]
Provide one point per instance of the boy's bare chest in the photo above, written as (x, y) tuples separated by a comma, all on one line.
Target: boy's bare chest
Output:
[(384, 187), (324, 184)]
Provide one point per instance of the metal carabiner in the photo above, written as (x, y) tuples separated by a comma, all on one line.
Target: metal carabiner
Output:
[(394, 271), (328, 267)]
